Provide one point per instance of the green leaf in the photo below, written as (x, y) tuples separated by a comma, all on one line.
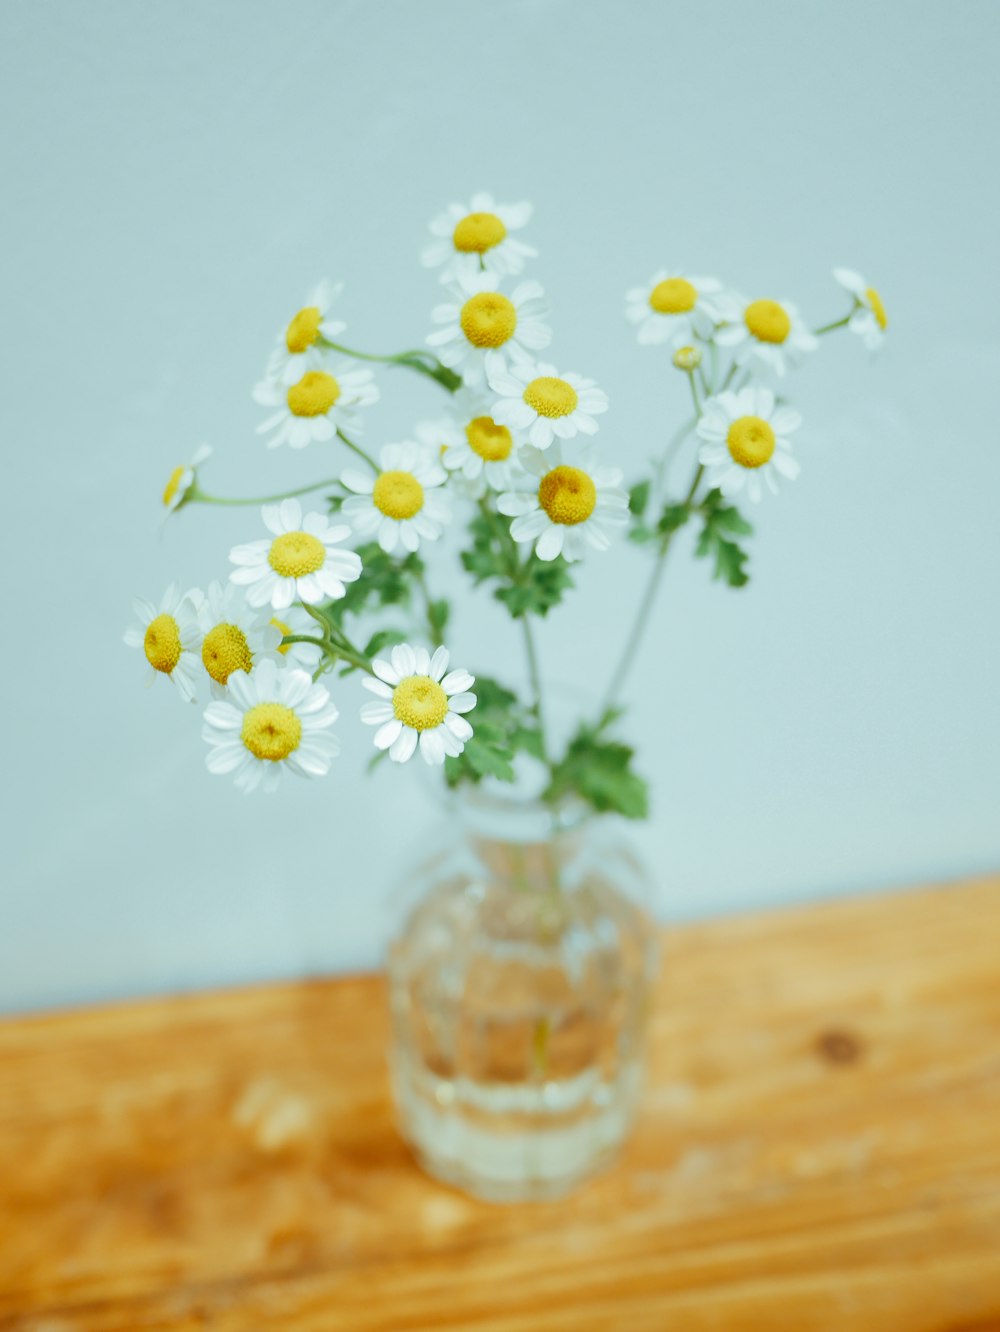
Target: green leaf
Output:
[(722, 521), (482, 559), (527, 739), (494, 720), (638, 498), (439, 614), (673, 517), (385, 581), (600, 772), (541, 585), (640, 534), (382, 639)]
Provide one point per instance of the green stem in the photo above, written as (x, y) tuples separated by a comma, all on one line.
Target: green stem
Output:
[(536, 682), (303, 638), (433, 622), (676, 440), (508, 550), (644, 611), (694, 396), (423, 362), (335, 642), (196, 495), (356, 448), (837, 323)]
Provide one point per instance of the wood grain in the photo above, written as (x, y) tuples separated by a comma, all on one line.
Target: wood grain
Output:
[(819, 1149)]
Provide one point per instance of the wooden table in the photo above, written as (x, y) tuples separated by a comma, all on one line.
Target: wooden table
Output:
[(820, 1149)]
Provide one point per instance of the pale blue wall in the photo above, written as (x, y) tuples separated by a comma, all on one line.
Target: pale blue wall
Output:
[(175, 175)]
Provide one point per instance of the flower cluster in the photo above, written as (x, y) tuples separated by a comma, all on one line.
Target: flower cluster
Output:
[(512, 471)]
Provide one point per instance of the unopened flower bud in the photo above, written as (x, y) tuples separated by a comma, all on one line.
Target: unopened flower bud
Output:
[(687, 358)]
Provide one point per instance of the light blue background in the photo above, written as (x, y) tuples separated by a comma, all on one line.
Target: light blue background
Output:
[(177, 176)]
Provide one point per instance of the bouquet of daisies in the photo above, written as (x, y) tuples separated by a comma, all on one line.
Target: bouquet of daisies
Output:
[(334, 591)]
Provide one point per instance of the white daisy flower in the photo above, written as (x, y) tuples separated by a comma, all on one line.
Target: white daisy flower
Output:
[(300, 345), (675, 307), (316, 405), (418, 701), (476, 237), (546, 405), (295, 620), (746, 442), (437, 437), (178, 487), (170, 636), (571, 503), (402, 504), (473, 447), (299, 563), (869, 319), (271, 720), (766, 334), (237, 636), (484, 330)]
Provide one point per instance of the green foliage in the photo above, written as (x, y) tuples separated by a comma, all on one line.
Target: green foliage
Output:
[(638, 498), (722, 522), (482, 559), (386, 581), (672, 518), (384, 638), (600, 771), (438, 615), (541, 585), (488, 753), (531, 588)]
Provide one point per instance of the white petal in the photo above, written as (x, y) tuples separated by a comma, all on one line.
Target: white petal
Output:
[(387, 735), (432, 747), (403, 746)]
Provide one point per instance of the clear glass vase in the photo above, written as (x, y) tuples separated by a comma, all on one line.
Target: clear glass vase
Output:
[(520, 982)]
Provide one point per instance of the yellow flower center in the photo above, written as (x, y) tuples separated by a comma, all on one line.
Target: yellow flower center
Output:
[(398, 494), (314, 394), (488, 320), (751, 441), (552, 397), (767, 321), (225, 650), (295, 554), (878, 309), (303, 331), (162, 643), (170, 490), (420, 702), (567, 495), (492, 442), (285, 631), (673, 296), (271, 731), (478, 233)]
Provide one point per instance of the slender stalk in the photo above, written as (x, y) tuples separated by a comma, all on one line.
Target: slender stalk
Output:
[(433, 621), (335, 642), (536, 681), (195, 495), (356, 448), (302, 638), (509, 550), (642, 617), (837, 323), (423, 362), (395, 358)]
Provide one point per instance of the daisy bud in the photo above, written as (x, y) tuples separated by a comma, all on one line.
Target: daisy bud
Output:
[(687, 358)]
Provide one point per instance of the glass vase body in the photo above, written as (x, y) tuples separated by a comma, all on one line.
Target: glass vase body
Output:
[(520, 985)]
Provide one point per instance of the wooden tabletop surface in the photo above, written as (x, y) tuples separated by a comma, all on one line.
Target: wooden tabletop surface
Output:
[(819, 1149)]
